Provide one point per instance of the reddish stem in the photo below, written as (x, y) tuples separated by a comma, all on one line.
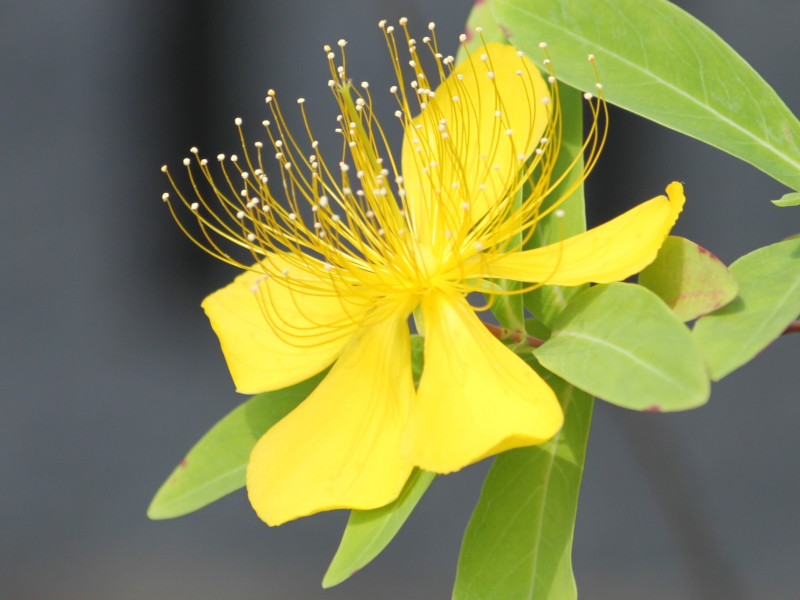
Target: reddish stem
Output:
[(794, 327), (518, 336)]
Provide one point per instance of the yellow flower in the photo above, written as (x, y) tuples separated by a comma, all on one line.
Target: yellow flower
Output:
[(353, 249)]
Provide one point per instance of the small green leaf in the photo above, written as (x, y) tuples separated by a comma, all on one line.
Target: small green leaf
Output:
[(368, 532), (518, 543), (769, 299), (216, 465), (658, 61), (692, 281), (621, 343), (548, 301), (792, 199)]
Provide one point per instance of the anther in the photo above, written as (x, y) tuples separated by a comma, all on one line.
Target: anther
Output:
[(559, 214), (542, 45), (342, 43), (462, 38), (490, 74), (165, 196), (251, 237), (186, 162), (237, 121), (241, 215), (590, 58), (194, 206), (484, 57), (292, 216), (587, 96), (193, 150), (431, 26), (478, 246), (301, 100)]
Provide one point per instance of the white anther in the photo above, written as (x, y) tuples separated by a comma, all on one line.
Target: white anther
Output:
[(484, 57), (551, 79), (590, 58), (360, 174), (344, 167), (240, 215), (448, 234), (598, 85), (521, 156), (194, 206), (266, 123), (323, 201), (245, 175), (542, 45), (402, 20), (186, 162), (336, 218), (456, 98), (587, 96), (390, 29), (287, 166), (381, 232), (462, 38), (519, 73), (559, 214), (498, 113), (193, 150), (509, 132), (546, 100), (251, 237), (165, 196), (342, 43), (346, 190), (520, 53), (265, 208), (431, 26), (448, 60), (478, 246), (490, 74), (318, 225), (285, 272), (539, 151), (237, 121), (328, 267), (382, 23), (465, 206), (234, 158)]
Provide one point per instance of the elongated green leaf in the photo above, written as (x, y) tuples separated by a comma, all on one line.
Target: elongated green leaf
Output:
[(769, 299), (621, 343), (216, 465), (792, 199), (368, 532), (518, 543), (689, 279), (548, 301), (658, 61)]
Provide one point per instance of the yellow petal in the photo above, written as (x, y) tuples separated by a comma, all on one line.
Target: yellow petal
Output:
[(339, 448), (448, 171), (610, 252), (476, 397), (276, 337)]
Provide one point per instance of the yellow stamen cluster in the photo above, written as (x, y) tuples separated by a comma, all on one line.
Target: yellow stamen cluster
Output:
[(353, 224)]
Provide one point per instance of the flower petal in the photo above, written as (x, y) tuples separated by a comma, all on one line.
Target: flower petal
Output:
[(278, 335), (447, 164), (476, 397), (609, 252), (339, 448)]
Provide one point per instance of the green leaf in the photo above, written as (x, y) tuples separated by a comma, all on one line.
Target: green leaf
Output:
[(692, 281), (769, 299), (368, 532), (621, 343), (792, 199), (548, 301), (518, 543), (658, 61), (216, 465)]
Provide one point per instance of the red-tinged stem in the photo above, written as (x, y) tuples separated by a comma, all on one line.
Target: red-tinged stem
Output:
[(794, 327), (518, 336)]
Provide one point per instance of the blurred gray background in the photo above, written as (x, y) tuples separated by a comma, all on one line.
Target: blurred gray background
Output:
[(109, 371)]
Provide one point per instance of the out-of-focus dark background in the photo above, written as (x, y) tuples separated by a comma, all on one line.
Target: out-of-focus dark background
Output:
[(109, 371)]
